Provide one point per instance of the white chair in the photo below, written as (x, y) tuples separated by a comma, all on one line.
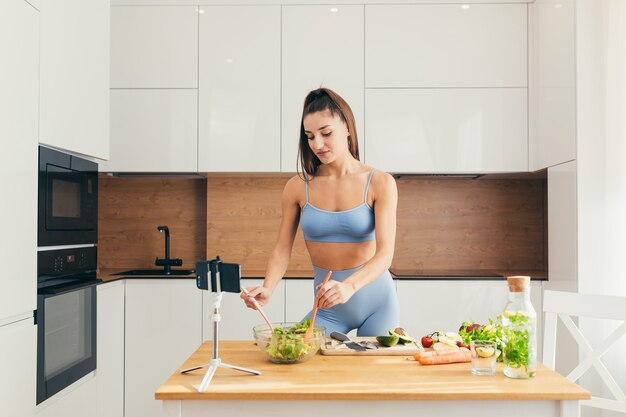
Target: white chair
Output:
[(564, 305)]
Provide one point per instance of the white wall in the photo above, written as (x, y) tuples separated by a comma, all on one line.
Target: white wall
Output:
[(601, 159)]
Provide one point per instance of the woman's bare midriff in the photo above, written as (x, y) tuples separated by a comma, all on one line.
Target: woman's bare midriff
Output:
[(336, 256)]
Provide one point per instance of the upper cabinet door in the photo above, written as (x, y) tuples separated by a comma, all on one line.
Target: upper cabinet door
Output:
[(154, 47), (74, 74), (552, 95), (19, 88), (322, 47), (451, 130), (153, 130), (446, 45), (239, 89)]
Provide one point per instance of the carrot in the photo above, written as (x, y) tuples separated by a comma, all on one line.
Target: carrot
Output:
[(426, 353), (449, 356)]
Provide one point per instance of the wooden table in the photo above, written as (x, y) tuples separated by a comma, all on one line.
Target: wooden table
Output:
[(359, 385)]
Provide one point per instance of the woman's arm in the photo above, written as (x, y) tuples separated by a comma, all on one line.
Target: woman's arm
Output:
[(385, 197), (281, 254)]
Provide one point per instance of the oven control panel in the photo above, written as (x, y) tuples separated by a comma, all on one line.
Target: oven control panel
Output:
[(63, 262)]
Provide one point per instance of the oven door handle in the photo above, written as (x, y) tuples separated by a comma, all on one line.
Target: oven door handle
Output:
[(61, 289)]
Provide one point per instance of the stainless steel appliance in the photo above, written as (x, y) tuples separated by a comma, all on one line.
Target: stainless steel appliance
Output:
[(68, 199), (65, 317)]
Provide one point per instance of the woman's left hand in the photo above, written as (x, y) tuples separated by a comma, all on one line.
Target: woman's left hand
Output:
[(333, 293)]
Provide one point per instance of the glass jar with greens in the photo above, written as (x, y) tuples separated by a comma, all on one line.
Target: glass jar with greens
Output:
[(519, 330)]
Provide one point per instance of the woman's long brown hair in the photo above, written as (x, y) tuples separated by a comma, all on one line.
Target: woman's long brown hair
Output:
[(320, 100)]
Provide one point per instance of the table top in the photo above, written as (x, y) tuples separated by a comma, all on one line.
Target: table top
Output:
[(354, 378)]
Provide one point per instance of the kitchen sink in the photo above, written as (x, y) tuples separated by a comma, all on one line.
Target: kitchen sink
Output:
[(156, 272)]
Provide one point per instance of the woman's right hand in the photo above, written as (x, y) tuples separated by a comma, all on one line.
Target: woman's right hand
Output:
[(261, 294)]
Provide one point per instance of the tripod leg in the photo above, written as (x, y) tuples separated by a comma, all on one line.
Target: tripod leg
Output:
[(184, 371), (239, 368), (207, 377)]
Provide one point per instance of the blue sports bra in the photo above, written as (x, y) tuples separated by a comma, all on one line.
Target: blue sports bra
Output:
[(353, 225)]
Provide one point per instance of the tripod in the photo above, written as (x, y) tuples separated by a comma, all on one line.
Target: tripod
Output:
[(216, 362)]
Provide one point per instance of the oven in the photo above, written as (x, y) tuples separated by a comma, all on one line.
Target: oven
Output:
[(65, 317), (68, 199)]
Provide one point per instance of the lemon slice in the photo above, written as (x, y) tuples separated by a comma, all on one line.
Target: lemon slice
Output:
[(508, 313), (485, 352)]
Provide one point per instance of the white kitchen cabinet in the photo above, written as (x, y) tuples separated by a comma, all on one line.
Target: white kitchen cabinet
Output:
[(322, 46), (110, 349), (19, 84), (237, 319), (18, 365), (552, 83), (154, 47), (428, 306), (563, 234), (445, 45), (153, 130), (35, 3), (562, 225), (299, 298), (239, 89), (77, 400), (163, 326), (74, 74), (447, 130)]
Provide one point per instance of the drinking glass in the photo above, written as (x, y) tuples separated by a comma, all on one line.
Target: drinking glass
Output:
[(483, 357)]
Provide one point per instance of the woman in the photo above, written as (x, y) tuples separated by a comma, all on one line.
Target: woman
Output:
[(347, 211)]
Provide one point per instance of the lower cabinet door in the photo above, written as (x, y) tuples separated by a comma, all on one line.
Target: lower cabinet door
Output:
[(163, 327), (237, 320), (110, 350), (77, 400), (299, 299), (18, 367)]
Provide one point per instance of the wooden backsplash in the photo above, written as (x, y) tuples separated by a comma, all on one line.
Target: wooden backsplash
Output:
[(449, 224), (478, 224), (129, 211), (243, 219)]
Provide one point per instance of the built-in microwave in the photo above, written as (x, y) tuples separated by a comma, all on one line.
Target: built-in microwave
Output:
[(68, 199)]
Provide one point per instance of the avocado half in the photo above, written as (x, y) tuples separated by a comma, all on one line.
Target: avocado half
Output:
[(388, 341), (403, 335)]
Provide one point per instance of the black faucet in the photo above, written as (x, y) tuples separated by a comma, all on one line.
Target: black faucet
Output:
[(167, 263)]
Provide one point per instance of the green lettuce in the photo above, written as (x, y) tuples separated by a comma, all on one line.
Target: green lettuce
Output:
[(493, 331), (288, 345)]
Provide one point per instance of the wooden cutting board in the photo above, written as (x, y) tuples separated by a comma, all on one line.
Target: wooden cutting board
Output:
[(333, 347)]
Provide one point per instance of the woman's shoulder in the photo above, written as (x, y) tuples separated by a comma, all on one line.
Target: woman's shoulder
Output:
[(296, 181), (382, 183), (295, 186), (381, 177)]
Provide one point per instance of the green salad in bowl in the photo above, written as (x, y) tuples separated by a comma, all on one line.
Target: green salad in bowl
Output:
[(287, 344)]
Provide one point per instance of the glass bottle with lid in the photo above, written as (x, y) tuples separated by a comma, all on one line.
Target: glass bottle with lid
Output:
[(519, 330)]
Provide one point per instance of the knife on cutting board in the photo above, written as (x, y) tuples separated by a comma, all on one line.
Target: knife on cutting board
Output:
[(347, 341)]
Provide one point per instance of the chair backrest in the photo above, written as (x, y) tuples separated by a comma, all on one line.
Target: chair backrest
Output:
[(566, 305)]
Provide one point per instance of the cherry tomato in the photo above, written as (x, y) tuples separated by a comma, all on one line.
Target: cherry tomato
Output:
[(427, 341)]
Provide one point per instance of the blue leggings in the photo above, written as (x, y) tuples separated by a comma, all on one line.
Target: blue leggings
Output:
[(372, 310)]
